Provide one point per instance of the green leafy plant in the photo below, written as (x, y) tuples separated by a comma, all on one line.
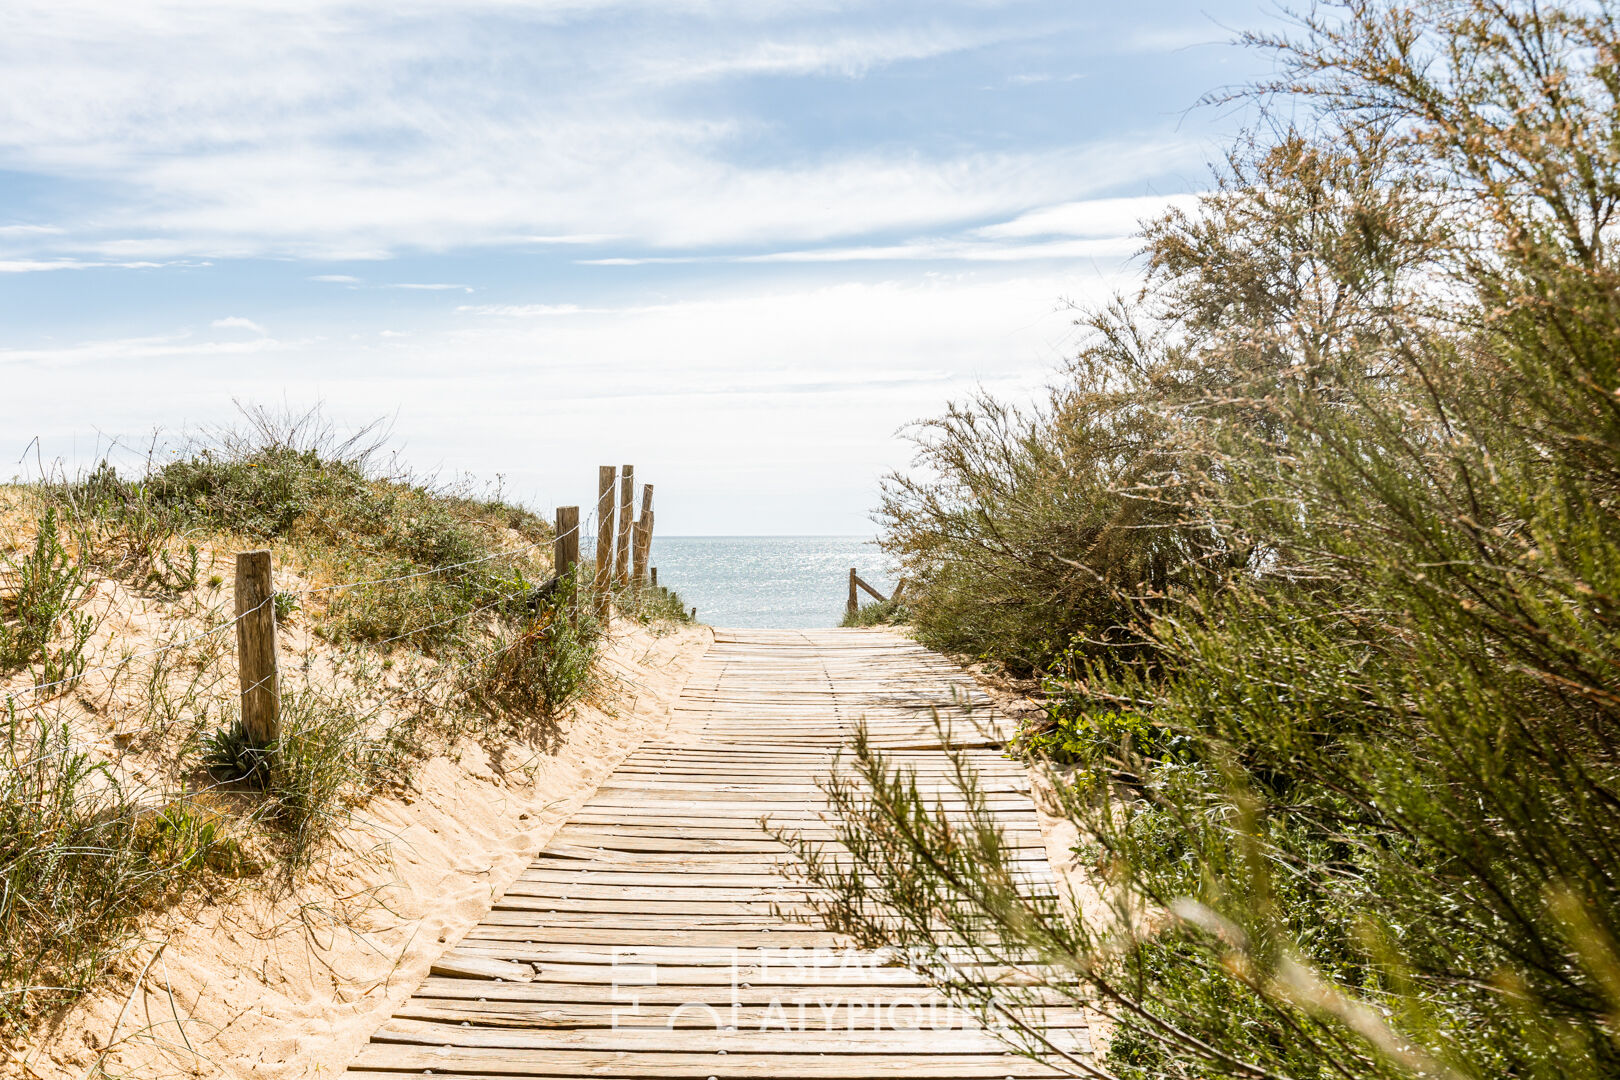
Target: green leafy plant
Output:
[(652, 604), (878, 613), (325, 759), (45, 588), (1322, 570), (545, 664), (80, 863), (177, 576)]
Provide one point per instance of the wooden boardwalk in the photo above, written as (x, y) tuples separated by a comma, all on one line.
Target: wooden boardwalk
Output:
[(656, 935)]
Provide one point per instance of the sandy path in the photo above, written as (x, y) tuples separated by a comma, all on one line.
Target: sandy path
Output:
[(290, 983)]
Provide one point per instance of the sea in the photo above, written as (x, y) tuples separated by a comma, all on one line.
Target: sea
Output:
[(768, 582)]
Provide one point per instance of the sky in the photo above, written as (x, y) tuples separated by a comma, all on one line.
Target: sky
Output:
[(741, 244)]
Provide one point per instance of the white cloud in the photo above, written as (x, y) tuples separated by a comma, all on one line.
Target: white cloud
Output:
[(574, 238), (935, 250), (35, 266), (114, 352), (361, 129), (336, 279), (1094, 217), (237, 322), (529, 311), (1034, 78), (777, 370)]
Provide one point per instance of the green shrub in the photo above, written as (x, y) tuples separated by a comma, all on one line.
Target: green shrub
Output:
[(326, 759), (45, 589), (1358, 749), (877, 613), (121, 528), (652, 604), (263, 493), (1021, 531), (80, 863), (544, 665)]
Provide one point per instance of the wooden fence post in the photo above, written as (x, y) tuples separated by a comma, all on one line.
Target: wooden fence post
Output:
[(256, 648), (605, 477), (627, 511), (654, 571), (862, 583), (854, 597), (565, 555), (643, 538)]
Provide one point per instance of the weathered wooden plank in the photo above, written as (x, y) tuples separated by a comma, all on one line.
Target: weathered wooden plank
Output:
[(546, 993), (817, 1036), (377, 1060), (662, 933), (825, 1012), (462, 965)]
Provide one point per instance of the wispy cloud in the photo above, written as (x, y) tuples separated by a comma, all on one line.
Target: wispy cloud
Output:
[(35, 266), (573, 238), (237, 322), (1093, 217), (116, 352), (336, 279), (528, 311), (1086, 229), (939, 250), (359, 134), (1035, 78)]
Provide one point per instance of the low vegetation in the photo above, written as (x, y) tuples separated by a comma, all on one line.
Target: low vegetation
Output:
[(43, 622), (1316, 547), (889, 612), (411, 617), (81, 862), (543, 663), (655, 604)]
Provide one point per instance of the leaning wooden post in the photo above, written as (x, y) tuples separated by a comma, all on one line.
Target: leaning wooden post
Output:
[(854, 597), (256, 648), (565, 556), (605, 477), (627, 513), (654, 571), (643, 538)]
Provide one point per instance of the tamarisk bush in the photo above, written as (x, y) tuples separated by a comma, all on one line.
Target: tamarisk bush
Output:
[(1364, 635)]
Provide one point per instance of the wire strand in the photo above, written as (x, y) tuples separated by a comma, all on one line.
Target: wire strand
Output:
[(439, 674), (419, 574), (11, 695), (446, 622)]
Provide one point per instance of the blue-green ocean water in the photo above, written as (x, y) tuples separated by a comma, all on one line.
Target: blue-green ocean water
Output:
[(767, 582)]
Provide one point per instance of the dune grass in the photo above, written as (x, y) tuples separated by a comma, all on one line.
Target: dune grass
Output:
[(421, 625), (877, 613), (82, 860)]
